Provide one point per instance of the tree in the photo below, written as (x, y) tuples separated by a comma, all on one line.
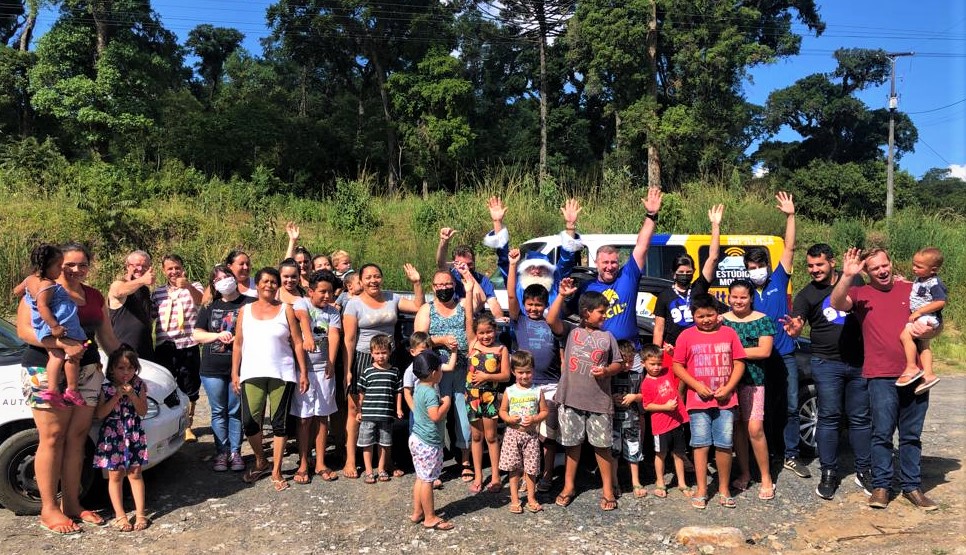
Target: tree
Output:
[(432, 104), (835, 125), (684, 96), (938, 189), (212, 45), (12, 15)]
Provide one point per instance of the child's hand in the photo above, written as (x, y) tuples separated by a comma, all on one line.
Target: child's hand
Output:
[(704, 392), (308, 344), (567, 287), (525, 421), (449, 341), (126, 389), (722, 393), (672, 404), (478, 378), (914, 316), (628, 399), (359, 417), (226, 337), (399, 414), (446, 233), (514, 256), (597, 371), (58, 331)]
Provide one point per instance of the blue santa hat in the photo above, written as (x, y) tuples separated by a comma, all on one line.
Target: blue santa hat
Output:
[(535, 258)]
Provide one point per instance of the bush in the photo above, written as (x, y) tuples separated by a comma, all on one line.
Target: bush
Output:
[(353, 200)]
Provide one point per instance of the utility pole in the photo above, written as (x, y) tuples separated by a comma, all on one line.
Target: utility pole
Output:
[(893, 106)]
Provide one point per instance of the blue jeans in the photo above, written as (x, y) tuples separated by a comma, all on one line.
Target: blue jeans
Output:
[(792, 431), (712, 427), (840, 385), (896, 407), (225, 406)]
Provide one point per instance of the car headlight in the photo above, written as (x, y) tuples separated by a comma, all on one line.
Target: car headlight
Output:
[(153, 409)]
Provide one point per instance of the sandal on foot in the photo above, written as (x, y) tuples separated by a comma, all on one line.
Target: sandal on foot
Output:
[(686, 491), (660, 492), (280, 485), (441, 525), (383, 476), (255, 474), (564, 499), (475, 488), (141, 524), (608, 504), (369, 478), (699, 501), (89, 517), (398, 473), (122, 524), (467, 474), (909, 377), (494, 487), (302, 478), (64, 528), (766, 494), (516, 508), (437, 484), (640, 491), (727, 502), (327, 475), (534, 507), (926, 386)]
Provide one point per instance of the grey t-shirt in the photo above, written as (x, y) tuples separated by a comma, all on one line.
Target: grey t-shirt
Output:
[(373, 321), (322, 320), (579, 389)]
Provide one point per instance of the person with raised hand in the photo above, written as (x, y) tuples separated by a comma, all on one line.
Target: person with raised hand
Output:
[(464, 255)]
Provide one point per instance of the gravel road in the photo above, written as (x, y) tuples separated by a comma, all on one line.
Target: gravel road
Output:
[(195, 509)]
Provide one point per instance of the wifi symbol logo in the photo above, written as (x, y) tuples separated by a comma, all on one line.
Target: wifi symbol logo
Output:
[(735, 251)]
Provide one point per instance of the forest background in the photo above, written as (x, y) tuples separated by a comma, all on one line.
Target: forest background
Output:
[(373, 123)]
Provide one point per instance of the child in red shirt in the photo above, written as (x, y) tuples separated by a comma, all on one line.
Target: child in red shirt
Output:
[(660, 397), (708, 358)]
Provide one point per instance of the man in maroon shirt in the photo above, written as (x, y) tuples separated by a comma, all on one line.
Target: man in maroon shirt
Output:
[(882, 308)]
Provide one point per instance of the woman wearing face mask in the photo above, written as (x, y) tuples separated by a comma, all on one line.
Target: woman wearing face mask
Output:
[(672, 313), (215, 330)]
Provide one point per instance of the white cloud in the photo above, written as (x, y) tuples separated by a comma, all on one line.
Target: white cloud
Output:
[(958, 170)]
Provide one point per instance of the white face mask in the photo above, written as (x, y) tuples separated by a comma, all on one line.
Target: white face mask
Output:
[(226, 286), (758, 275)]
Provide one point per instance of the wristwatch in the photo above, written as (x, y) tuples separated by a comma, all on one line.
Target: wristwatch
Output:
[(652, 217)]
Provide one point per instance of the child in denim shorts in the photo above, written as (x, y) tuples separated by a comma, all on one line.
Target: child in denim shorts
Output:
[(625, 388)]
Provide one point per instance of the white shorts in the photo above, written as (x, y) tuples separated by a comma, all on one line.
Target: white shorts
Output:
[(319, 400), (928, 320), (550, 427)]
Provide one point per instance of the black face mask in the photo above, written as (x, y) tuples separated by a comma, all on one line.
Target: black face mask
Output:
[(445, 295), (684, 280)]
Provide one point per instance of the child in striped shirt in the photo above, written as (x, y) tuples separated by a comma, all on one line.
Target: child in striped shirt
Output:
[(380, 396)]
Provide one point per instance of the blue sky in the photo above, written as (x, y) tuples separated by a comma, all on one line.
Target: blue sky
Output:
[(931, 84)]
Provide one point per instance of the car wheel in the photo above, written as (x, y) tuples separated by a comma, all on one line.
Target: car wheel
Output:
[(807, 418), (18, 483)]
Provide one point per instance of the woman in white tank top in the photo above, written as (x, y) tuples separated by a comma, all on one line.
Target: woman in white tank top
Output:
[(268, 361)]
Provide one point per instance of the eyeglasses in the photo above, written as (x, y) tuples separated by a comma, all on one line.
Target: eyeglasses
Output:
[(442, 286)]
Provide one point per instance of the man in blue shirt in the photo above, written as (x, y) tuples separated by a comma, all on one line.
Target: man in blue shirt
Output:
[(771, 298), (619, 284)]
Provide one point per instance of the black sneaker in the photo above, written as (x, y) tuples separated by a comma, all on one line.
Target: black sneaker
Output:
[(798, 467), (863, 479), (827, 486)]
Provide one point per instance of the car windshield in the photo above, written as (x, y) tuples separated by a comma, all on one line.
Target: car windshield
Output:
[(8, 337)]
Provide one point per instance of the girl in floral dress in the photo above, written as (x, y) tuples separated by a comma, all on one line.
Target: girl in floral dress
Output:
[(121, 447), (489, 365)]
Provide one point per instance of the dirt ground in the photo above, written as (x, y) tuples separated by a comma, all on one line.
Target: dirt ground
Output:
[(195, 509)]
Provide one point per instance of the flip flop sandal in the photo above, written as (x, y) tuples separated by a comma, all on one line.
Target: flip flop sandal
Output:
[(608, 504), (494, 487), (475, 488), (516, 508), (441, 525), (398, 473), (534, 507), (280, 485), (727, 502), (766, 494), (64, 528), (369, 478), (926, 386), (89, 517), (302, 478), (327, 475), (122, 524), (640, 492), (660, 492), (383, 477), (908, 378), (699, 501), (255, 474), (467, 475), (564, 500), (141, 524)]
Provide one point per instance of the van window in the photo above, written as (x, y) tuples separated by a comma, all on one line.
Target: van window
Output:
[(660, 260)]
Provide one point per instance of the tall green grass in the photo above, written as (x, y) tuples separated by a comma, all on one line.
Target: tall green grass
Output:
[(177, 210)]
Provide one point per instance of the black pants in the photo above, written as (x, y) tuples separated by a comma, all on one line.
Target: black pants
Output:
[(184, 365)]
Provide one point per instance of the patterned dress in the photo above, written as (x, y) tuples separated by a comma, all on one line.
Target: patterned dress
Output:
[(749, 333), (482, 400), (121, 444)]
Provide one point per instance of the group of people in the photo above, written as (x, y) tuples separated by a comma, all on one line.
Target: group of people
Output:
[(716, 375)]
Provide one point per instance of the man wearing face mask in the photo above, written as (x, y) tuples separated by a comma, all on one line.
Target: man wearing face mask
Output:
[(771, 298), (129, 302), (672, 311)]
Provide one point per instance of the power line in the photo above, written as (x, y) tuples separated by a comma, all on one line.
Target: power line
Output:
[(934, 152), (960, 101)]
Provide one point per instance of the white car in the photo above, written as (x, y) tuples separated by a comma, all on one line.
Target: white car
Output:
[(164, 426)]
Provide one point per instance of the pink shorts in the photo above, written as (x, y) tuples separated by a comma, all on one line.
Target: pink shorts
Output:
[(751, 402)]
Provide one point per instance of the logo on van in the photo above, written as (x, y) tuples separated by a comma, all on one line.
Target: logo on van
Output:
[(731, 267), (735, 251)]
